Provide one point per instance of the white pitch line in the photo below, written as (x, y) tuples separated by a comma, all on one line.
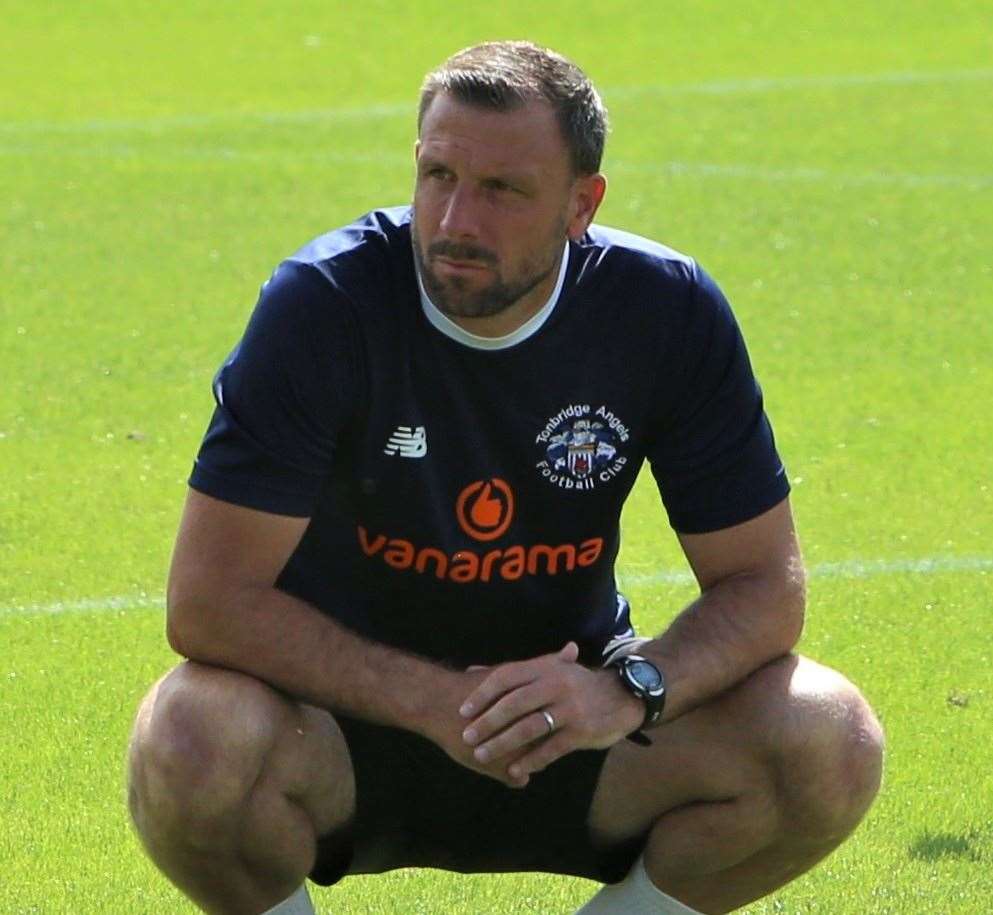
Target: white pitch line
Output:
[(86, 604), (158, 125), (855, 568), (386, 110), (789, 83), (200, 152), (814, 175)]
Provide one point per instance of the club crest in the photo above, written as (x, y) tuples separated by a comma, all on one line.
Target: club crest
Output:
[(581, 447)]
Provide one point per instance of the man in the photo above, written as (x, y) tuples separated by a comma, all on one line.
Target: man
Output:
[(394, 578)]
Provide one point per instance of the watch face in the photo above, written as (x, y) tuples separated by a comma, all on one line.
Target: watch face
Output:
[(646, 675)]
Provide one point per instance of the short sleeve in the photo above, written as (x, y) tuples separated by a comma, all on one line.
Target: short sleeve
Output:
[(714, 457), (283, 397)]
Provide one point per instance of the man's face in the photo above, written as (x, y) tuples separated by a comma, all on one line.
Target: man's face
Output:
[(494, 201)]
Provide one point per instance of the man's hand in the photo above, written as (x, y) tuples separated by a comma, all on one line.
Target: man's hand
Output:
[(445, 727), (504, 716)]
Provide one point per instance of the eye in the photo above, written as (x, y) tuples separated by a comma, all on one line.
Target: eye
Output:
[(496, 184), (438, 172)]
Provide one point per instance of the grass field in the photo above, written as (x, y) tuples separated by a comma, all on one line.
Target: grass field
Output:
[(828, 162)]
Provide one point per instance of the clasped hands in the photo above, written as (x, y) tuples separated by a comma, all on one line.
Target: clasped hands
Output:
[(522, 716)]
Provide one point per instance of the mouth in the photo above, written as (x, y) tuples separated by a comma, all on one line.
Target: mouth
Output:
[(457, 266)]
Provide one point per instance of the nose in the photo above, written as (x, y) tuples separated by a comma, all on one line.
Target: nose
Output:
[(460, 217)]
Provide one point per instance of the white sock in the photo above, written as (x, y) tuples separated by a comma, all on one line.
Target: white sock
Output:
[(297, 904), (634, 895)]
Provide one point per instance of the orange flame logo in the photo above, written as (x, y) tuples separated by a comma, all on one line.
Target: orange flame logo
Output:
[(490, 506)]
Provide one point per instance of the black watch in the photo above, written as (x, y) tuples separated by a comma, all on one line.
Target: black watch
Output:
[(642, 678)]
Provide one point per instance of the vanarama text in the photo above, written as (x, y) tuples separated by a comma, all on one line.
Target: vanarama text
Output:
[(467, 566)]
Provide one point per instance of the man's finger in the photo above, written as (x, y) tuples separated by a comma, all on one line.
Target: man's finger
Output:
[(507, 677), (544, 754), (509, 708), (524, 731), (504, 678)]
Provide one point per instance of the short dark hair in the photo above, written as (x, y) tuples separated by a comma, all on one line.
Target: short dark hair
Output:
[(504, 75)]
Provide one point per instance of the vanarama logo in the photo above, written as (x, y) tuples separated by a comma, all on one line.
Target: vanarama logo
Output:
[(484, 510)]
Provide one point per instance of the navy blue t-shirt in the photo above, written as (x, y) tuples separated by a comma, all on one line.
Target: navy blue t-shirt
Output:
[(465, 501)]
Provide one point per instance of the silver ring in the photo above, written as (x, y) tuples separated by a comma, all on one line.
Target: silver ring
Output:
[(549, 720)]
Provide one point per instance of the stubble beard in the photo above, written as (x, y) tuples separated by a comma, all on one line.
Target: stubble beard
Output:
[(455, 297)]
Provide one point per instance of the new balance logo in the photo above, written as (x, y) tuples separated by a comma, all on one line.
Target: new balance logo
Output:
[(408, 442)]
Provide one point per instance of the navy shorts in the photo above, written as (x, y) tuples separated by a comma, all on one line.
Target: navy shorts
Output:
[(416, 807)]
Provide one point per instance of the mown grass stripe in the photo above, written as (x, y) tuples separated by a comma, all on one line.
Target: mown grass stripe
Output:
[(382, 110), (671, 169)]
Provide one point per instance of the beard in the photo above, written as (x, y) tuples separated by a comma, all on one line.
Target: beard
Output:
[(456, 297)]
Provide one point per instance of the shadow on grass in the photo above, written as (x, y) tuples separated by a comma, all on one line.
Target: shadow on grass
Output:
[(932, 846)]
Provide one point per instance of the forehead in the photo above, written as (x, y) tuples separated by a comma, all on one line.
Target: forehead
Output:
[(521, 139)]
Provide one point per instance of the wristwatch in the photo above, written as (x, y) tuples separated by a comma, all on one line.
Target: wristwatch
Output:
[(642, 678)]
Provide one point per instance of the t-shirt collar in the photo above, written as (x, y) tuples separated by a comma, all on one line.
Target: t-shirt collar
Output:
[(449, 328)]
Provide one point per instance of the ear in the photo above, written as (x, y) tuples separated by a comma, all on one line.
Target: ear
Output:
[(417, 148), (587, 195)]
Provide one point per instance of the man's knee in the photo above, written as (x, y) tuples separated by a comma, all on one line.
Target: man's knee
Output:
[(200, 740), (829, 752)]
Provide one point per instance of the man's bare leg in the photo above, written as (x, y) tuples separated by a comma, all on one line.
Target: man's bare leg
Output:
[(744, 794), (231, 784)]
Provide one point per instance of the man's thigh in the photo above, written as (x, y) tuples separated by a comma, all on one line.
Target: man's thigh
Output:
[(219, 755), (738, 746)]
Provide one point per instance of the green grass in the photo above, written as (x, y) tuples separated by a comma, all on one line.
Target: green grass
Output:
[(155, 165)]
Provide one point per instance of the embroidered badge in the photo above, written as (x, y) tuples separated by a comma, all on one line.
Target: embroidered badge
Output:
[(581, 447)]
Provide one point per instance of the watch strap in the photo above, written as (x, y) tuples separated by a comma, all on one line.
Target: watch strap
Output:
[(654, 701)]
